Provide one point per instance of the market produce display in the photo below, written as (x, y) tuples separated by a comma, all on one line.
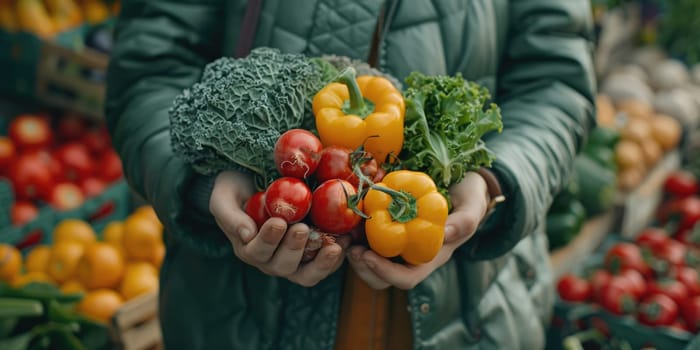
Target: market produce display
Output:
[(652, 279), (57, 162), (334, 149), (62, 295)]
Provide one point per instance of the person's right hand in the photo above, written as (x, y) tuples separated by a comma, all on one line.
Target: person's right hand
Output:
[(276, 249)]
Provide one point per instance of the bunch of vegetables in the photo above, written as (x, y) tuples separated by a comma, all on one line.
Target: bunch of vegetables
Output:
[(343, 153), (645, 136), (58, 163), (39, 316), (653, 279)]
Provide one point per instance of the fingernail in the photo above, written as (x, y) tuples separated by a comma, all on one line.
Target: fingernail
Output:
[(449, 230), (300, 235), (245, 233)]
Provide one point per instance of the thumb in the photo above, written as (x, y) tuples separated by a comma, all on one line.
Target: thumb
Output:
[(470, 200), (229, 194)]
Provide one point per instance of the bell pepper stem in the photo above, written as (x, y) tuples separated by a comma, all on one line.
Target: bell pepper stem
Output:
[(403, 207), (357, 101)]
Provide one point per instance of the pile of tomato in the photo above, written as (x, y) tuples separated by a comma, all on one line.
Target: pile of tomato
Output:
[(58, 162), (317, 184), (654, 278)]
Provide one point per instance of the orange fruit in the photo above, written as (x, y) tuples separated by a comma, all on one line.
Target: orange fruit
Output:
[(148, 212), (141, 237), (74, 230), (37, 259), (158, 255), (64, 260), (101, 266), (100, 304), (30, 277), (10, 262), (72, 287), (113, 233), (139, 278)]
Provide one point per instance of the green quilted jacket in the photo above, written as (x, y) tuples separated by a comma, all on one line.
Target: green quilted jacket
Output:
[(496, 291)]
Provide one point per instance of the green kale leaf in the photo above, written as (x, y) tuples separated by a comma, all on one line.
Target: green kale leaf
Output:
[(445, 121), (233, 116)]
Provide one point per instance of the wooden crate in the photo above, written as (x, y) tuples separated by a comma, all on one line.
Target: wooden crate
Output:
[(72, 79), (135, 326)]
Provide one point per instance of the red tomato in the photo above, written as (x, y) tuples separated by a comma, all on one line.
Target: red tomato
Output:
[(690, 278), (110, 166), (331, 207), (336, 163), (23, 212), (76, 161), (255, 208), (29, 176), (297, 153), (681, 183), (672, 251), (599, 279), (71, 127), (625, 255), (657, 310), (54, 167), (652, 236), (684, 213), (671, 288), (637, 283), (96, 141), (92, 186), (691, 314), (66, 196), (618, 296), (30, 132), (7, 154), (288, 198), (574, 288)]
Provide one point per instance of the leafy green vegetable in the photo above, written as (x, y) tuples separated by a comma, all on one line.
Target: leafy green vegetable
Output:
[(680, 18), (445, 120), (232, 118)]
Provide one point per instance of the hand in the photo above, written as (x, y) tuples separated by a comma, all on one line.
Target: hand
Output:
[(276, 249), (469, 202)]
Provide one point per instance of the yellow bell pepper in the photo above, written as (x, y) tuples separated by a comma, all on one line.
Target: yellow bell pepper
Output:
[(406, 217), (365, 111)]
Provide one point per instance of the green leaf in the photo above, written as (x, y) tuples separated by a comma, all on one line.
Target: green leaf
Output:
[(7, 325), (446, 119), (17, 307), (19, 342)]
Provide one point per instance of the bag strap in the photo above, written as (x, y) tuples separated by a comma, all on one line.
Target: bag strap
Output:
[(386, 14), (248, 28)]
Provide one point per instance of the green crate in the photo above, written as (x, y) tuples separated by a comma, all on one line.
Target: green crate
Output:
[(113, 204), (24, 52)]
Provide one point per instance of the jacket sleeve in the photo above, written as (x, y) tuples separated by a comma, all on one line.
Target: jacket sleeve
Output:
[(161, 48), (546, 92)]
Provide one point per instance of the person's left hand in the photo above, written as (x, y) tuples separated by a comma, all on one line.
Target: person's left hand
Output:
[(469, 202)]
